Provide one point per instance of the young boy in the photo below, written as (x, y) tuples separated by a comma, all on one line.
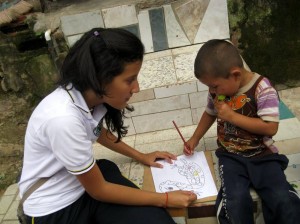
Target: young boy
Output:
[(246, 108)]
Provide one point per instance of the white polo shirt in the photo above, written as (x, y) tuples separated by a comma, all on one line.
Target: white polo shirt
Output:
[(58, 144)]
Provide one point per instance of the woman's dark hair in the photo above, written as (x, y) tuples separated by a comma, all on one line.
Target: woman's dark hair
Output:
[(95, 60)]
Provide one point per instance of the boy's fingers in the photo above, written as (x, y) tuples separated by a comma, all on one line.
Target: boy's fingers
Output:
[(187, 151)]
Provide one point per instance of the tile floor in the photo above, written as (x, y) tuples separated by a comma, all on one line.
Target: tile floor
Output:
[(287, 139)]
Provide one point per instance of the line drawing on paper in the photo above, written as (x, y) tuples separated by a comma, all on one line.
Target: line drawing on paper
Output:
[(185, 173), (193, 174), (192, 171)]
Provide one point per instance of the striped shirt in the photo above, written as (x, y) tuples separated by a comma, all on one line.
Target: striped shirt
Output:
[(257, 99)]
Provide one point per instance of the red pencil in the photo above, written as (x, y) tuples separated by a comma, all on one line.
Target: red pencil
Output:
[(184, 142)]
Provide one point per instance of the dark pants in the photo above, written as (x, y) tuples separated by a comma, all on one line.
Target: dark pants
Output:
[(91, 211), (280, 202)]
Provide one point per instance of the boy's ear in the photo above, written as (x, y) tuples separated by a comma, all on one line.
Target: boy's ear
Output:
[(235, 72)]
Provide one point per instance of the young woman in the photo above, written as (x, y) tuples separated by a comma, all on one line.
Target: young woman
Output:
[(98, 77)]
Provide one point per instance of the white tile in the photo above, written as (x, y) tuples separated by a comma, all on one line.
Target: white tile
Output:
[(201, 86), (206, 220), (71, 40), (215, 23), (201, 146), (289, 146), (11, 190), (145, 30), (164, 135), (198, 99), (17, 198), (125, 169), (115, 17), (196, 114), (172, 146), (177, 89), (288, 129), (179, 220), (293, 172), (212, 131), (136, 174), (289, 97), (105, 153), (157, 55), (160, 105), (210, 143), (184, 66), (129, 140), (147, 94), (293, 159), (5, 202), (77, 24), (190, 14), (157, 72), (101, 152), (11, 214), (176, 36), (129, 124), (161, 121), (186, 49)]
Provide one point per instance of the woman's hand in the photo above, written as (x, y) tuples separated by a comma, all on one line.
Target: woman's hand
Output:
[(180, 199), (150, 158)]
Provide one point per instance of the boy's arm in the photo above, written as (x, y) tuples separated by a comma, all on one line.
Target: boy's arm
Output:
[(204, 124), (253, 125)]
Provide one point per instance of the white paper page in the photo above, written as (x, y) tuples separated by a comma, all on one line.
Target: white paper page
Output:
[(190, 173)]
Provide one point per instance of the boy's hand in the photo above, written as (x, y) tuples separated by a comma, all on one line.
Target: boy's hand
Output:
[(190, 146), (224, 110)]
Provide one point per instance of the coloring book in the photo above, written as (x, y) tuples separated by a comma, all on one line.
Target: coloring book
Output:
[(191, 173)]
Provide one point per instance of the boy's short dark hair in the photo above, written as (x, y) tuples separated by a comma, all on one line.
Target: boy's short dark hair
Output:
[(216, 58)]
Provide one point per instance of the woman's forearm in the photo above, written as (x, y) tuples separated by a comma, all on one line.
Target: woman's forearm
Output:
[(108, 140)]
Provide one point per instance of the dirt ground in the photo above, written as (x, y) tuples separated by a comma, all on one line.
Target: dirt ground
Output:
[(10, 165), (14, 114), (10, 170)]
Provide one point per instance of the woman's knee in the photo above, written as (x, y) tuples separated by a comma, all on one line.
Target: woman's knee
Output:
[(107, 165)]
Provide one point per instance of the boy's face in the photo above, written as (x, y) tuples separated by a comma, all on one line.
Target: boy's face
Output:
[(222, 86)]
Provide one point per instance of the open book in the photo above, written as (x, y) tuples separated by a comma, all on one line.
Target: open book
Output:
[(191, 173)]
